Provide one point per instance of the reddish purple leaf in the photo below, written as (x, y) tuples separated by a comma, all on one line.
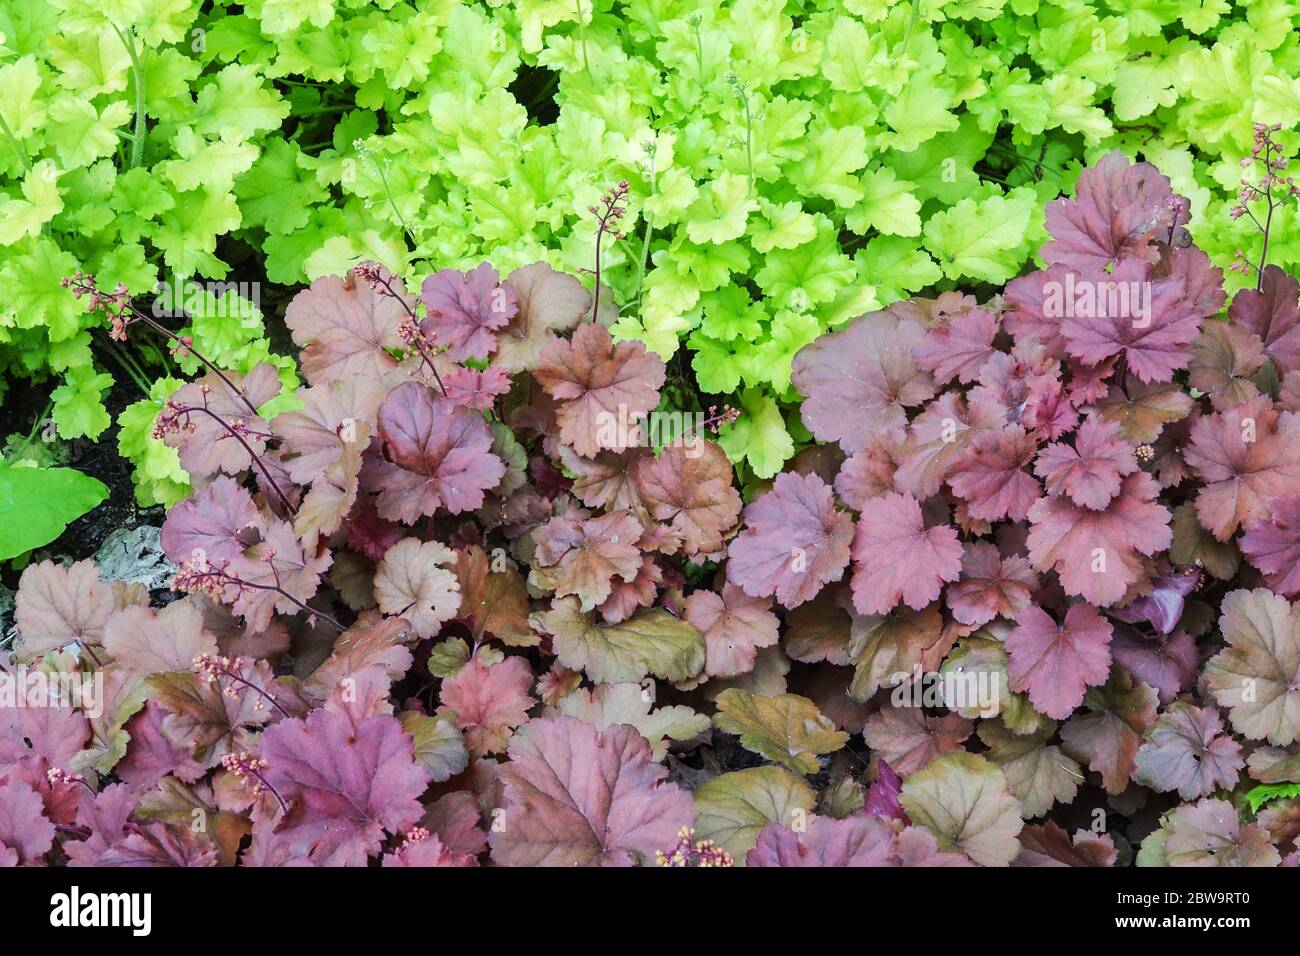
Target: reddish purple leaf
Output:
[(464, 309), (346, 784), (898, 558), (1163, 605), (1097, 554), (439, 456), (959, 348), (474, 389), (735, 626), (490, 702), (866, 474), (794, 541), (576, 796), (602, 388), (1166, 663), (857, 383), (1188, 751), (549, 301), (853, 841), (1149, 323), (212, 525), (690, 488), (1273, 314), (991, 585), (24, 828), (939, 439), (909, 738), (1057, 663), (990, 475), (1050, 845), (1118, 210), (1030, 318), (1089, 472), (1246, 456), (205, 445), (346, 327), (882, 796), (1272, 544)]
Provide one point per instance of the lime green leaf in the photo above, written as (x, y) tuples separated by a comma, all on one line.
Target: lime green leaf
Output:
[(758, 436), (78, 410), (80, 133), (888, 205), (827, 171), (984, 238), (897, 267), (41, 202), (1266, 793), (720, 212), (20, 108)]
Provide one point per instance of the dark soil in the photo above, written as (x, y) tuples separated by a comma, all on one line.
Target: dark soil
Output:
[(98, 458)]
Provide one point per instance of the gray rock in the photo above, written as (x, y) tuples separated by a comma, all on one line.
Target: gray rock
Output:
[(135, 556)]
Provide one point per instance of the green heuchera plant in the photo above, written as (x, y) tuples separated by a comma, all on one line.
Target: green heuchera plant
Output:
[(790, 165), (120, 147)]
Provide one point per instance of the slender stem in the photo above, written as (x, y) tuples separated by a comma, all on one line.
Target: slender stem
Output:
[(911, 20), (388, 195), (132, 370), (320, 110), (137, 139), (91, 651), (249, 684), (582, 38), (699, 46), (644, 260), (427, 359), (595, 300), (158, 327), (641, 264), (36, 427), (309, 611), (284, 807), (742, 94), (22, 154), (749, 146), (606, 217), (257, 459), (1268, 219)]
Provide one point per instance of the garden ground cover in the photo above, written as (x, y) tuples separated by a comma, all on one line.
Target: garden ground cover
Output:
[(980, 552)]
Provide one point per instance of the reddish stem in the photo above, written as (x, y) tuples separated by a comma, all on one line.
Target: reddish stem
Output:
[(234, 433), (249, 684)]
